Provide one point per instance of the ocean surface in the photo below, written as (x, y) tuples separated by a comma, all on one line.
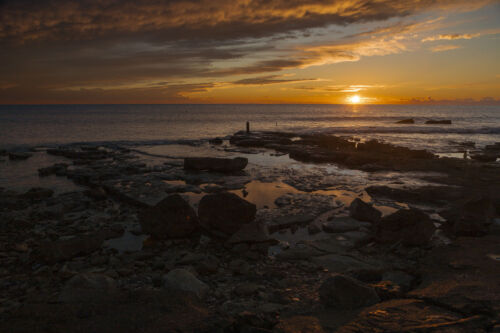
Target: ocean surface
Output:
[(47, 125)]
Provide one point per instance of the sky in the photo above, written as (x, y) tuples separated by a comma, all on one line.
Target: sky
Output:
[(250, 51)]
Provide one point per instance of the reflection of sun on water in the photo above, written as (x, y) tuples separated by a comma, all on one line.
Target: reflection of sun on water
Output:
[(354, 99)]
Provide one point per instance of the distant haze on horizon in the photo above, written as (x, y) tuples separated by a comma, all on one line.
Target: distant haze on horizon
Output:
[(250, 51)]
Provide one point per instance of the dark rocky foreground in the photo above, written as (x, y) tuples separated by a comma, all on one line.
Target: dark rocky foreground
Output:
[(172, 248)]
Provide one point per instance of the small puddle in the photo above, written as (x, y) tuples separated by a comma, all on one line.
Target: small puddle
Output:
[(264, 194), (128, 242)]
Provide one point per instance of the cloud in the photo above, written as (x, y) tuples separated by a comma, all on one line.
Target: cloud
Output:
[(158, 20), (441, 48), (450, 37), (269, 79)]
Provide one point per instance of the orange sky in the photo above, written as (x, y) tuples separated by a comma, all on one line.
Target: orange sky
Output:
[(244, 51)]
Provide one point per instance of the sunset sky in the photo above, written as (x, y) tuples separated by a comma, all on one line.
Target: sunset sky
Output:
[(244, 51)]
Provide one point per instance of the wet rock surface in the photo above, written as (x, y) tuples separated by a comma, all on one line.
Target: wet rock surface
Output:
[(422, 254)]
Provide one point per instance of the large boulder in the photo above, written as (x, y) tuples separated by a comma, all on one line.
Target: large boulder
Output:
[(471, 217), (215, 164), (172, 217), (181, 279), (362, 211), (342, 292), (411, 227), (225, 213)]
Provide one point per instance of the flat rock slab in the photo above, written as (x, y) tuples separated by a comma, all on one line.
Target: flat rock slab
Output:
[(138, 311), (411, 315), (464, 275)]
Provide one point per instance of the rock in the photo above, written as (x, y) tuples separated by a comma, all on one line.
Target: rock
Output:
[(362, 211), (181, 279), (252, 233), (438, 122), (60, 250), (208, 266), (19, 155), (338, 263), (215, 141), (246, 289), (58, 169), (37, 193), (471, 217), (410, 226), (97, 193), (343, 224), (80, 287), (172, 217), (215, 164), (400, 278), (290, 221), (387, 290), (342, 292), (223, 214), (406, 121), (239, 267), (299, 324), (484, 157), (412, 315)]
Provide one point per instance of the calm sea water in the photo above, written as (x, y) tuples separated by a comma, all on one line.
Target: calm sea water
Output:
[(148, 124)]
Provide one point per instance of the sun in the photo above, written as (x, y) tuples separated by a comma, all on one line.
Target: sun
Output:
[(355, 99)]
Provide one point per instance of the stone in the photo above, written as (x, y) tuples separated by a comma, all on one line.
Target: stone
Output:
[(65, 249), (215, 141), (484, 157), (338, 263), (215, 164), (406, 121), (411, 227), (438, 122), (181, 279), (172, 217), (252, 233), (400, 278), (223, 214), (239, 267), (299, 324), (37, 193), (19, 155), (470, 217), (362, 211), (81, 287), (246, 289), (342, 224), (342, 292)]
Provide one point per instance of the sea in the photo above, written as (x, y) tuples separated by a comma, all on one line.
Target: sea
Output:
[(28, 126), (183, 130)]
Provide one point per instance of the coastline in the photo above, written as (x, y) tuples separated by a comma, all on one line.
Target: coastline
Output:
[(90, 241)]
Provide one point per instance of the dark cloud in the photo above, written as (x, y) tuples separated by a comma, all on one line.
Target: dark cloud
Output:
[(160, 20)]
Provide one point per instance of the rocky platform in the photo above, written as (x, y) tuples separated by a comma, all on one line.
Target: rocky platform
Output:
[(309, 261)]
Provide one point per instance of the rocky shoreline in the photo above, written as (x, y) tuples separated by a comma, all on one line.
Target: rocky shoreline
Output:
[(361, 237)]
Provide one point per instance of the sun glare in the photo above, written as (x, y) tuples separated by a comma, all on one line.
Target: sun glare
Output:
[(354, 99)]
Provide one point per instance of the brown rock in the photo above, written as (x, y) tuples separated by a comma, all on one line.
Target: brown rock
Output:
[(225, 213), (172, 217), (410, 226)]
